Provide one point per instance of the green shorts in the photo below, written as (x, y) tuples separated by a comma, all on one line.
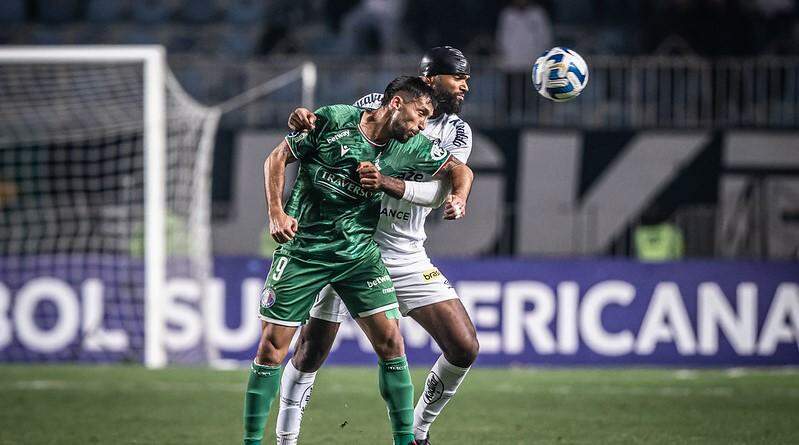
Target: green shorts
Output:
[(294, 283)]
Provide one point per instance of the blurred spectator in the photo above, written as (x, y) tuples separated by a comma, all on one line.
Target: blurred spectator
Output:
[(773, 23), (335, 10), (524, 32), (373, 27), (658, 239), (465, 24), (281, 17), (8, 193)]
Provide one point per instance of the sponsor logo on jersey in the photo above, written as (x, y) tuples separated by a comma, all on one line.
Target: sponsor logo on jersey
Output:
[(297, 136), (377, 281), (431, 274), (370, 101), (337, 136), (398, 214), (433, 388), (413, 176), (341, 184), (268, 297), (344, 150), (437, 152), (460, 133)]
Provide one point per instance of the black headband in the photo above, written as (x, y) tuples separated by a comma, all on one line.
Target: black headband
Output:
[(444, 60)]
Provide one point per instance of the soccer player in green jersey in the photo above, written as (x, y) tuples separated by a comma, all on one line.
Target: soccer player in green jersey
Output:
[(325, 230)]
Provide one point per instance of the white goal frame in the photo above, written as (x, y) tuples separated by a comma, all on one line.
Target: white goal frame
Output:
[(153, 58)]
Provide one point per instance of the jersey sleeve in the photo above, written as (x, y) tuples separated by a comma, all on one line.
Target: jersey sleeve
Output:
[(370, 101), (304, 143), (430, 156), (459, 140)]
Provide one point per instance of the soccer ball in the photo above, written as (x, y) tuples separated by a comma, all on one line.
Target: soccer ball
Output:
[(560, 74)]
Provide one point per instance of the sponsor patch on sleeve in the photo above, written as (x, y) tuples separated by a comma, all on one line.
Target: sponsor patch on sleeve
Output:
[(432, 274)]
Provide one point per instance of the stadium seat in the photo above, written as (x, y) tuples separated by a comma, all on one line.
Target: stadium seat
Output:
[(245, 11), (153, 11), (92, 34), (181, 39), (104, 11), (238, 41), (199, 11), (139, 35), (14, 34), (12, 11), (57, 11), (47, 35)]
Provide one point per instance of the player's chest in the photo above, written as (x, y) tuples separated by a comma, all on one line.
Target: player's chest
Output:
[(397, 163), (345, 149)]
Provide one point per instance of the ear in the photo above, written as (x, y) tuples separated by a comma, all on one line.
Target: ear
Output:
[(428, 80), (396, 102)]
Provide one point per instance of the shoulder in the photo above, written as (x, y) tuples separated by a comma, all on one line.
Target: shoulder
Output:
[(371, 101), (457, 137), (426, 146), (335, 116)]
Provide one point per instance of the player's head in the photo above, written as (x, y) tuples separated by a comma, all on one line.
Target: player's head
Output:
[(410, 102), (447, 70)]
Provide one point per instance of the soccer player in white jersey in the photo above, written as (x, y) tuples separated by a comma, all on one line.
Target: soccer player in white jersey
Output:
[(423, 292)]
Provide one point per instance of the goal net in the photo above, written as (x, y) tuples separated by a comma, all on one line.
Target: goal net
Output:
[(104, 207)]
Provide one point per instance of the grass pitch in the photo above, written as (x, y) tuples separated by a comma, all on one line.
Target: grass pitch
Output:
[(130, 405)]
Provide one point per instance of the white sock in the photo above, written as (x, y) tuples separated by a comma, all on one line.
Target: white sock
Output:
[(295, 392), (441, 384)]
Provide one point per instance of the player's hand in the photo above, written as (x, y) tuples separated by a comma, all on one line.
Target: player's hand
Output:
[(371, 178), (454, 207), (302, 119), (282, 227)]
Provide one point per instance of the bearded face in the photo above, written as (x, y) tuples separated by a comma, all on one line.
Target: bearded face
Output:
[(447, 102), (409, 117), (449, 90)]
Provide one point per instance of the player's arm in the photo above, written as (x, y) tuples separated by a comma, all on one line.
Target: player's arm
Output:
[(427, 194), (461, 178), (373, 180), (282, 227)]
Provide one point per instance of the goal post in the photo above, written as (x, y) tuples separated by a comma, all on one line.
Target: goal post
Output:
[(105, 196), (154, 136)]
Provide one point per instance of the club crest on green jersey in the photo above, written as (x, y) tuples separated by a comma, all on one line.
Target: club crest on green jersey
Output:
[(268, 297), (297, 136), (437, 152)]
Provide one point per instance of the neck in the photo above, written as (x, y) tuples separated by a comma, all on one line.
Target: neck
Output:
[(375, 127)]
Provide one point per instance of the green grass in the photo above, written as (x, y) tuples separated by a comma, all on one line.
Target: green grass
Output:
[(129, 405)]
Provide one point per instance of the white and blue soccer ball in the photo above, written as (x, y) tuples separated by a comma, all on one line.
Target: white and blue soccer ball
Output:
[(560, 74)]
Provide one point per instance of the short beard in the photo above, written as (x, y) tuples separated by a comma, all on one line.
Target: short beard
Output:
[(447, 103), (398, 133)]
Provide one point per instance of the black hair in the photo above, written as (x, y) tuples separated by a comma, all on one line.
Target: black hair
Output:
[(413, 88)]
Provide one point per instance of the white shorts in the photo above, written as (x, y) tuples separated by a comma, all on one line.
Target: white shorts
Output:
[(416, 281)]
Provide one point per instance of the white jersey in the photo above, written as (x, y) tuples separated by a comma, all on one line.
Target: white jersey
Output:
[(400, 230)]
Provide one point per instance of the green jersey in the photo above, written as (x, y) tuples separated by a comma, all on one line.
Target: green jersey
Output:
[(335, 215)]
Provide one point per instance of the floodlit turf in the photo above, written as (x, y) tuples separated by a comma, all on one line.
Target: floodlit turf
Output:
[(127, 405)]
